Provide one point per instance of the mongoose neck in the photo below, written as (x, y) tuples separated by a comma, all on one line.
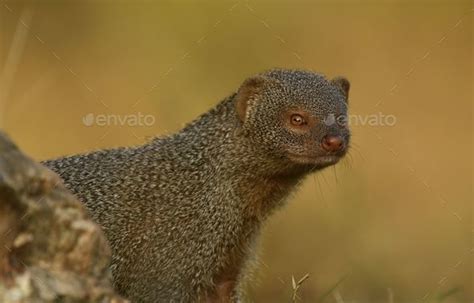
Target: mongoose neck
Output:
[(257, 176), (218, 136)]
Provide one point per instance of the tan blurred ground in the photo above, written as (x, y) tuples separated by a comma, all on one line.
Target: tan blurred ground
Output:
[(394, 219)]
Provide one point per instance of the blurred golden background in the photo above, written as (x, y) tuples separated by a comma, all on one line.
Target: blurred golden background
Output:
[(391, 223)]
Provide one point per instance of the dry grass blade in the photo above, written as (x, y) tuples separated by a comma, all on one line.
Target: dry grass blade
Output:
[(296, 286), (13, 58), (330, 290)]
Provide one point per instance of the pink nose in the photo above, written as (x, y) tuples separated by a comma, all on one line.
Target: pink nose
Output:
[(332, 143)]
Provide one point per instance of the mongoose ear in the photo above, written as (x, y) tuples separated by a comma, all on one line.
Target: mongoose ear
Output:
[(249, 90), (343, 84)]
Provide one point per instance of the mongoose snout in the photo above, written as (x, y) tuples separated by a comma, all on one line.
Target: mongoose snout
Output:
[(333, 143)]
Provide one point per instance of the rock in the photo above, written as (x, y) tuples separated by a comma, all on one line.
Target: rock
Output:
[(50, 250)]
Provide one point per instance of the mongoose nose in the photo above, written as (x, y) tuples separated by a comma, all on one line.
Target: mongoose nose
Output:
[(332, 143)]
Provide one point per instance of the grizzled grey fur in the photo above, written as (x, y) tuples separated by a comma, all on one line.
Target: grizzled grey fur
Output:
[(182, 213)]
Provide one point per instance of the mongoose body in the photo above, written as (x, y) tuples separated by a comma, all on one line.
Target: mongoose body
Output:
[(183, 213)]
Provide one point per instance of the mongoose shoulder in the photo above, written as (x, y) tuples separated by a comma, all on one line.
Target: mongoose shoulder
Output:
[(183, 213)]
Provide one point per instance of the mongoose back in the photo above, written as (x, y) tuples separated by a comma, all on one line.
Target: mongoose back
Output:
[(183, 213)]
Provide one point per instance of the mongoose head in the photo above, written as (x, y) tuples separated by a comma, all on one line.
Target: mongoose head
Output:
[(297, 116)]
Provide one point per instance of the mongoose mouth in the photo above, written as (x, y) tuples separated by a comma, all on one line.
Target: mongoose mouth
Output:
[(317, 161)]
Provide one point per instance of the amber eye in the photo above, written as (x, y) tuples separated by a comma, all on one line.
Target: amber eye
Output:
[(297, 120)]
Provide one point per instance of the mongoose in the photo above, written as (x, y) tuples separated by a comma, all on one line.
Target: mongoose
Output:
[(183, 213)]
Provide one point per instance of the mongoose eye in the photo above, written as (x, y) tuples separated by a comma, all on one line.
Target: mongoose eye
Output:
[(297, 120)]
